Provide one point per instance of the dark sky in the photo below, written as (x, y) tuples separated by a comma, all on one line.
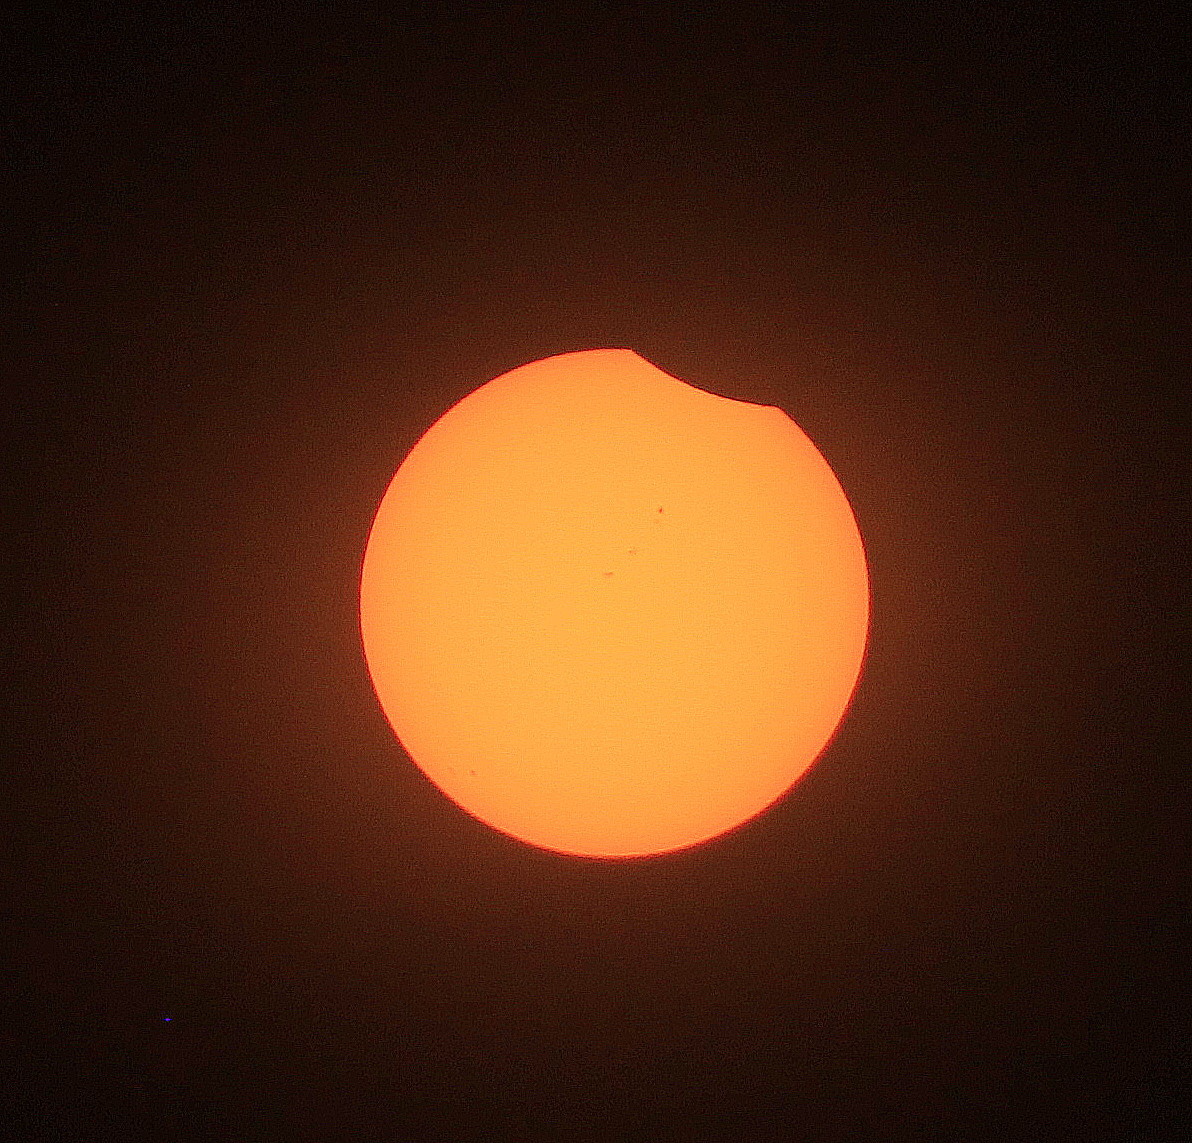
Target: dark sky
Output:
[(253, 255)]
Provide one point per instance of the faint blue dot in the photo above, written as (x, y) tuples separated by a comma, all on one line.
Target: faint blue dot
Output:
[(167, 1019)]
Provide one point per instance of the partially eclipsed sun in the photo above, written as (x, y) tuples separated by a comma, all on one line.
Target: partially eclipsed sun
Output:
[(611, 614)]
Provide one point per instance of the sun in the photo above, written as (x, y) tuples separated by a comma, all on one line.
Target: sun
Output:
[(611, 614)]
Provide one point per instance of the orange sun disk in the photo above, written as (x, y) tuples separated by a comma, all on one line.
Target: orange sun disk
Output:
[(611, 614)]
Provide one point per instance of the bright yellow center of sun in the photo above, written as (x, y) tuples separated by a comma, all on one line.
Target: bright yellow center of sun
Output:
[(611, 614)]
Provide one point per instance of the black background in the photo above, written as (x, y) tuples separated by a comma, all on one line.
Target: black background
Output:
[(255, 254)]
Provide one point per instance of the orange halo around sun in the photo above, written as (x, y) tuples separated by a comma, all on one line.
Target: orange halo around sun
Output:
[(611, 614)]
